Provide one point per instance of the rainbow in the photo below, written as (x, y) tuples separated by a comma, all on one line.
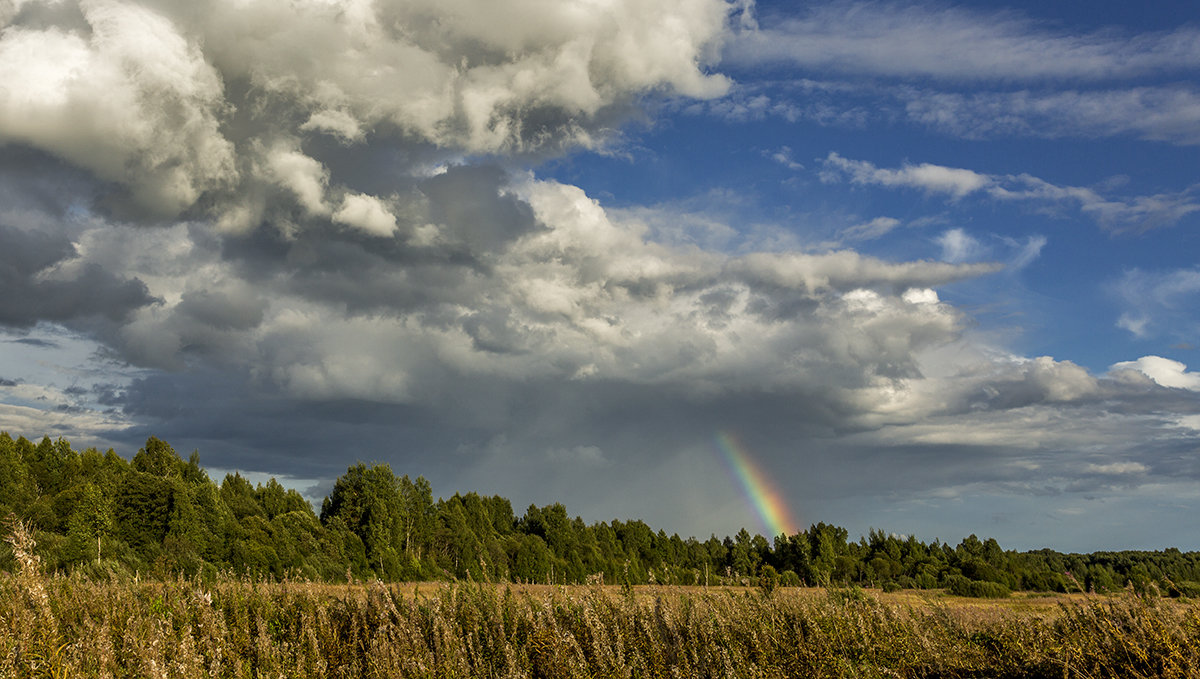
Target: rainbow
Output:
[(761, 494)]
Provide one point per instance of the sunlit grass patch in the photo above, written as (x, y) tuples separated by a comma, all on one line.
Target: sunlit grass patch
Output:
[(248, 628)]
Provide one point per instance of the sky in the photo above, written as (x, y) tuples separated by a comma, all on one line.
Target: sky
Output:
[(926, 267)]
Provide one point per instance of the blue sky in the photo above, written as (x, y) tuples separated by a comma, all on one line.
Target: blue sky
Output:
[(934, 264)]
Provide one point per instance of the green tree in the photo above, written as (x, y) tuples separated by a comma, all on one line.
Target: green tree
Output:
[(91, 521), (531, 562), (239, 496), (740, 554), (419, 517), (159, 459), (142, 509), (17, 486), (367, 501), (275, 499)]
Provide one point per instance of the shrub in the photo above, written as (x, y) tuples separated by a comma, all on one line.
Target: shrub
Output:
[(980, 589), (1184, 588), (768, 579)]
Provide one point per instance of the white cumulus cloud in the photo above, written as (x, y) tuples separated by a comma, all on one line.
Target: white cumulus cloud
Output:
[(1164, 371), (366, 213)]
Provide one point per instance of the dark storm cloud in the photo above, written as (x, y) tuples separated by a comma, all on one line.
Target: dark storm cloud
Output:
[(500, 436), (36, 342), (236, 424), (33, 182), (40, 285)]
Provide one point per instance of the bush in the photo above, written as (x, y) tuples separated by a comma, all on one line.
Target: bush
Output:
[(979, 589), (926, 581), (891, 586), (849, 596), (768, 580), (1184, 588)]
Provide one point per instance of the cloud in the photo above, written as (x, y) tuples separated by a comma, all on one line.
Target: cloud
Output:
[(1157, 303), (906, 40), (298, 236), (303, 176), (126, 96), (955, 182), (366, 213), (783, 156), (967, 73), (1164, 371), (957, 246), (36, 342), (1135, 325), (212, 109), (44, 279), (1117, 468), (1160, 113), (799, 100), (1027, 252), (527, 280), (32, 409), (1137, 213), (1143, 212), (1167, 113), (870, 230), (588, 347)]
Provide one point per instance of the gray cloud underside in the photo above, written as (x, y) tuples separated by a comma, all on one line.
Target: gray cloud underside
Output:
[(38, 286)]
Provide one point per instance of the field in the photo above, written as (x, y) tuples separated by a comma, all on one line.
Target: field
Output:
[(71, 627)]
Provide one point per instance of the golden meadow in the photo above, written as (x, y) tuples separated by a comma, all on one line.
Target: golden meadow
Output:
[(71, 626)]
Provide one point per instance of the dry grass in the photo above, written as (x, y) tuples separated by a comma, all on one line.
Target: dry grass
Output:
[(71, 627), (240, 628)]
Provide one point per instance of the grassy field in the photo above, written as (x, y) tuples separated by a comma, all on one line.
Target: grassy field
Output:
[(73, 627), (238, 628)]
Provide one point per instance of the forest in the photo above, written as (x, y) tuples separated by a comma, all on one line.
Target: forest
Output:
[(158, 515)]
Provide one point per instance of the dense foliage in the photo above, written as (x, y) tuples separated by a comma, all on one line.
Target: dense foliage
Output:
[(160, 515)]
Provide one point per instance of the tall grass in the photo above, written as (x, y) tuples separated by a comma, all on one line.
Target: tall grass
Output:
[(76, 627)]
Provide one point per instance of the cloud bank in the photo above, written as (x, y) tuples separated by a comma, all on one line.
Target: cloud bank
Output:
[(206, 109), (299, 236)]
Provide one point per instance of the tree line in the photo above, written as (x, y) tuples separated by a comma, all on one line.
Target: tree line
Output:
[(160, 515)]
